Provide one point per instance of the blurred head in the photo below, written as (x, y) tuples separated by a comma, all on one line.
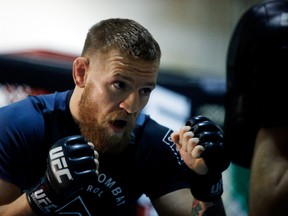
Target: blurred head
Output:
[(257, 62), (114, 77)]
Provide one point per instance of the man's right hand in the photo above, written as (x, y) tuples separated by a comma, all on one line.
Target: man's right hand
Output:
[(71, 161)]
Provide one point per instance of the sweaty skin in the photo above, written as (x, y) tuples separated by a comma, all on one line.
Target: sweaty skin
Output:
[(269, 180)]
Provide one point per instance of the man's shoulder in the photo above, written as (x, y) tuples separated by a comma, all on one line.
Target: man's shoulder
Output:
[(151, 132), (56, 100), (148, 124)]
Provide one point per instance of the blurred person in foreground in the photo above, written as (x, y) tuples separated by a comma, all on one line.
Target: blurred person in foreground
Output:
[(255, 128), (90, 150)]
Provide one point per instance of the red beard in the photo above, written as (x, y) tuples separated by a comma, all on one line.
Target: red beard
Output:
[(98, 131)]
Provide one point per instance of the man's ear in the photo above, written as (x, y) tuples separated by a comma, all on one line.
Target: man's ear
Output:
[(80, 67)]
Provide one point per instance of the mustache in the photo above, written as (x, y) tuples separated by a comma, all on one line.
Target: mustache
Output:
[(122, 115)]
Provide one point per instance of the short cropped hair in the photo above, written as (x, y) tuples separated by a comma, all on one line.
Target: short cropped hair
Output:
[(126, 35)]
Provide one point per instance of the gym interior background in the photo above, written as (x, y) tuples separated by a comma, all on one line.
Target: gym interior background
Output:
[(39, 40)]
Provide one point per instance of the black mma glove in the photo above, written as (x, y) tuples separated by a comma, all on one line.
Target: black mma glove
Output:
[(209, 187), (71, 162)]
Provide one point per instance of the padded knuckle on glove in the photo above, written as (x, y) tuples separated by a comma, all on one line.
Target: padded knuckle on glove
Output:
[(211, 138), (75, 162), (71, 162)]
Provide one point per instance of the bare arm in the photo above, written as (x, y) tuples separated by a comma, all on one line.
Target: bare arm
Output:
[(269, 173), (182, 203), (12, 203)]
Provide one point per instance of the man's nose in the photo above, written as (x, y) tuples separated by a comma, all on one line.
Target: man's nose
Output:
[(131, 103)]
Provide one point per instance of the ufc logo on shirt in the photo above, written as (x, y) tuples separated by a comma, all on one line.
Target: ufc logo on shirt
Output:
[(58, 160)]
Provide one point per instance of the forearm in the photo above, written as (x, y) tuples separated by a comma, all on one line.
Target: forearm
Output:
[(208, 208), (20, 207), (207, 191), (269, 179)]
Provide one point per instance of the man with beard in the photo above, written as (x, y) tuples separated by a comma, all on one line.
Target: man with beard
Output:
[(90, 150)]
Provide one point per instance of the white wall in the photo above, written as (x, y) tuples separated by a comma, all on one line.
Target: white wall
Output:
[(193, 34)]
